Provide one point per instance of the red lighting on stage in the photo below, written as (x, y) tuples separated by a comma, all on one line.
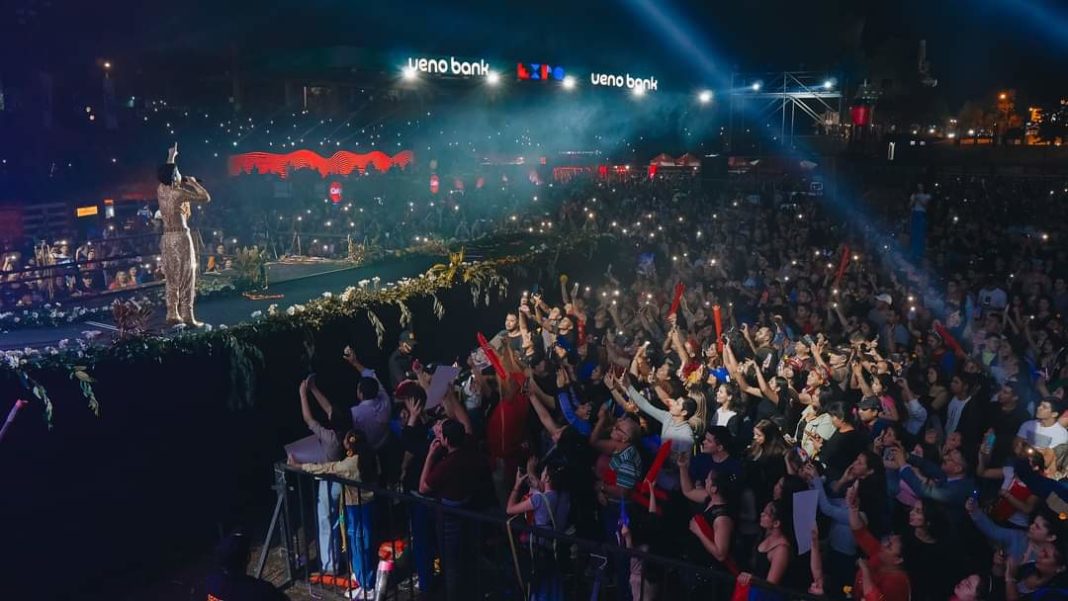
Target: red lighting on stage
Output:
[(341, 163), (435, 184)]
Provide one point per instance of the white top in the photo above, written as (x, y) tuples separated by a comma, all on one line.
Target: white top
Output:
[(956, 408), (821, 427), (1008, 476), (723, 416), (1041, 437)]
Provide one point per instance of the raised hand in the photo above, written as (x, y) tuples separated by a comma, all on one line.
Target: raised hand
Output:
[(602, 413), (349, 355), (852, 499), (415, 409), (694, 528), (435, 446)]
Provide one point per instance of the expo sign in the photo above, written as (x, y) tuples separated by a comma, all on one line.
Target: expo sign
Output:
[(449, 66), (647, 84), (539, 71)]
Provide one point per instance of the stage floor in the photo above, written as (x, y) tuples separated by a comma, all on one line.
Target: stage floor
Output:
[(299, 282)]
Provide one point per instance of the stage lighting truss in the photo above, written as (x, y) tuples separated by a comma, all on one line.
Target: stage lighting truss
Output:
[(776, 100)]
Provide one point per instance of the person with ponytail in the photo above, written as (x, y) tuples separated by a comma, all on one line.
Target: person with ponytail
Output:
[(551, 507), (359, 506), (713, 527)]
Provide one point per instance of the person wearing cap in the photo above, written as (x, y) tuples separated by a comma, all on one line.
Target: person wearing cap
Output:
[(868, 411), (878, 314), (400, 362)]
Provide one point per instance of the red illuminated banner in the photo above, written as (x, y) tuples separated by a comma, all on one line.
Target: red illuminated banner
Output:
[(341, 163), (860, 115)]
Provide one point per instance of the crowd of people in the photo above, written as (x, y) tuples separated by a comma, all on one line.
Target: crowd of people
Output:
[(62, 272), (745, 349)]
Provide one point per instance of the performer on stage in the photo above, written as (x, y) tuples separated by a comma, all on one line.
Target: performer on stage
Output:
[(176, 247)]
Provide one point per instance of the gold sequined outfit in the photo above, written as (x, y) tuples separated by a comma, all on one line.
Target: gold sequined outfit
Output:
[(176, 247)]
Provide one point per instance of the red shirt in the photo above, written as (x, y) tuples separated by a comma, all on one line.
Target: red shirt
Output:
[(455, 477), (890, 584), (506, 426)]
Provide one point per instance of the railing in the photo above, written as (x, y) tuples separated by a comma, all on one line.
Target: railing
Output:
[(144, 255), (478, 555)]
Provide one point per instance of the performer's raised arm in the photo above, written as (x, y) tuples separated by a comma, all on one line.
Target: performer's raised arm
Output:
[(194, 192)]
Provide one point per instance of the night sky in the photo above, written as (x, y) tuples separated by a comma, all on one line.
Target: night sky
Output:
[(975, 46)]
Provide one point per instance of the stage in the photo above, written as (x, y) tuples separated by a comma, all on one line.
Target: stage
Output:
[(297, 280)]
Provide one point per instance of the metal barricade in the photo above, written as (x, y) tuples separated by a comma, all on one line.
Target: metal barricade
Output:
[(471, 554)]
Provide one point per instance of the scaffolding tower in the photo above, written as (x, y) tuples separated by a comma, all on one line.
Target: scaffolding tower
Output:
[(780, 99)]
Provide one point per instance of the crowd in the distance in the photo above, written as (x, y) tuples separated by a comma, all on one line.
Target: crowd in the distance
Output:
[(744, 349)]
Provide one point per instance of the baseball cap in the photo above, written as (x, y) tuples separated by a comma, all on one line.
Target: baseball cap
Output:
[(869, 402), (408, 337), (884, 298)]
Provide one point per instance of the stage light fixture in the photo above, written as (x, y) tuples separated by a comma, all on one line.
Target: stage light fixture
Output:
[(493, 78), (756, 86), (828, 84), (409, 73), (639, 91), (705, 96), (569, 82)]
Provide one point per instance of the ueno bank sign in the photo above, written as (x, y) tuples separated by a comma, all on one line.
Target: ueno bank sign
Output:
[(647, 84), (449, 66)]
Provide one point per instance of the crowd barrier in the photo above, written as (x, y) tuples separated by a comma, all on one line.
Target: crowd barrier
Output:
[(491, 555)]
